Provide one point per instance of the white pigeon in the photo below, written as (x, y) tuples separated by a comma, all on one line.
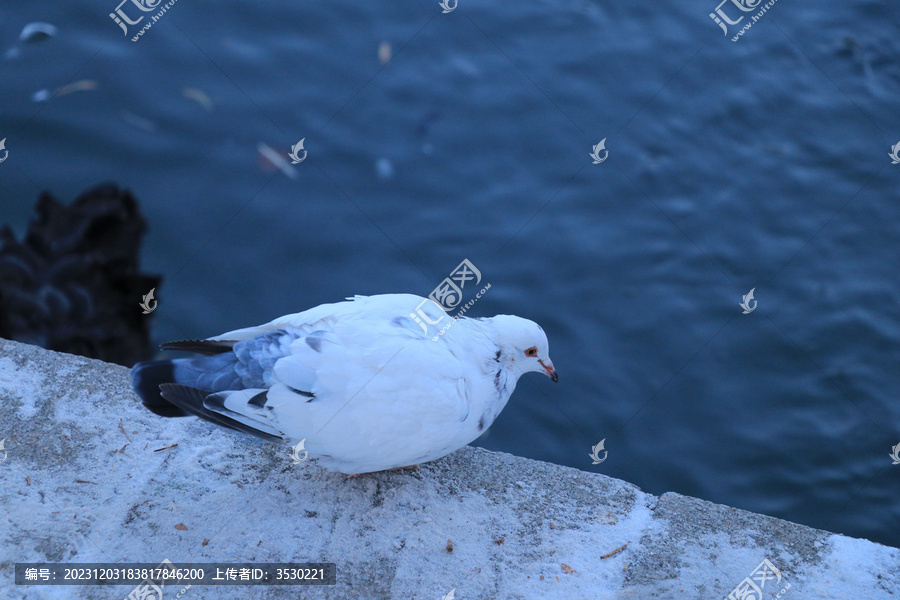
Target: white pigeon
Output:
[(370, 384)]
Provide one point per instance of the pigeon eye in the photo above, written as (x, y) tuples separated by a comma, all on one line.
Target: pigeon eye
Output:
[(531, 351)]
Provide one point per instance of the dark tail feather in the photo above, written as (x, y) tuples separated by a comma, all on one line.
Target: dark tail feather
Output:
[(146, 378), (206, 347), (194, 401)]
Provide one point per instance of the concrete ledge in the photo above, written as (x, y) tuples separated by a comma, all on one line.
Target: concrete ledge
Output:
[(519, 528)]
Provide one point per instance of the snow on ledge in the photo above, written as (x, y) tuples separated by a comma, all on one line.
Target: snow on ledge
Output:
[(85, 481)]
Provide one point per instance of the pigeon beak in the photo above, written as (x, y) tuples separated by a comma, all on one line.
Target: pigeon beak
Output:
[(551, 372)]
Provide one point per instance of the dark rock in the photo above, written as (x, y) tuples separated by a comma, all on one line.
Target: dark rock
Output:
[(74, 283)]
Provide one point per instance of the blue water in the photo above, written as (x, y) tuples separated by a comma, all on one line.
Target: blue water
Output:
[(761, 163)]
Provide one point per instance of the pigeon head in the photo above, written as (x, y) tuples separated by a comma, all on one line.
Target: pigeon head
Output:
[(524, 344)]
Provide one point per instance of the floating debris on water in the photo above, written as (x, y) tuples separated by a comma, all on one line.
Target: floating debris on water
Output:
[(37, 31), (277, 160), (198, 96), (78, 86), (384, 52), (384, 168), (139, 122)]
